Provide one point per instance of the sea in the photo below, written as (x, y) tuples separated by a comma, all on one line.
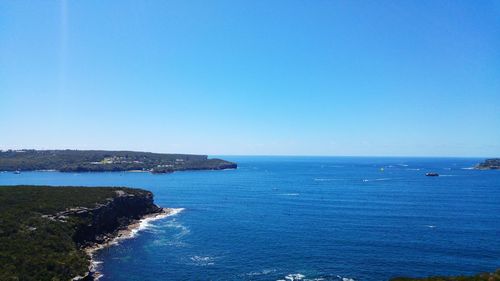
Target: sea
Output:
[(306, 218)]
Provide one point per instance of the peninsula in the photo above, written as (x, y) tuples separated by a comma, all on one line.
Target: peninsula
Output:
[(106, 161), (493, 276), (45, 231), (489, 164)]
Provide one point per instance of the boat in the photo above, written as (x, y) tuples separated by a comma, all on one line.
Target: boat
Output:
[(432, 174)]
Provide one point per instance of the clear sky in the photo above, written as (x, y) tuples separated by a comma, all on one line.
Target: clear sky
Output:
[(416, 78)]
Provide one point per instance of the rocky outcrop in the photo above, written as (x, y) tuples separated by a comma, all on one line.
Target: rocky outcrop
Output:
[(489, 164), (101, 223)]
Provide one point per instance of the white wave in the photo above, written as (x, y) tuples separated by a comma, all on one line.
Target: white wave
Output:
[(447, 175), (289, 194), (294, 277), (131, 232), (345, 278), (468, 168), (95, 267), (146, 222), (430, 226), (413, 169), (202, 260), (299, 276), (175, 211)]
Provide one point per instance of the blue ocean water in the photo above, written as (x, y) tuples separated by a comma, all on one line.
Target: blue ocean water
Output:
[(307, 218)]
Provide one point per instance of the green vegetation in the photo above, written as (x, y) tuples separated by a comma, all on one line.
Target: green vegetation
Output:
[(106, 161), (479, 277), (35, 247), (489, 164)]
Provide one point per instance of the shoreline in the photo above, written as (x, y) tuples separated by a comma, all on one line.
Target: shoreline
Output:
[(117, 171), (130, 231)]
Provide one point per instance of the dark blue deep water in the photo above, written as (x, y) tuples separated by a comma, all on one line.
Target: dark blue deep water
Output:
[(309, 218)]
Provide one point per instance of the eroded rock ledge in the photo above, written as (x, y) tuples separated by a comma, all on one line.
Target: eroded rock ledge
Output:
[(106, 219), (101, 224)]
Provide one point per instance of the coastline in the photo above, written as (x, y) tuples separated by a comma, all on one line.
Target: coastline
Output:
[(128, 232)]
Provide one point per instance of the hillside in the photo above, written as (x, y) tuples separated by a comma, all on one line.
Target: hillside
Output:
[(106, 161), (43, 229)]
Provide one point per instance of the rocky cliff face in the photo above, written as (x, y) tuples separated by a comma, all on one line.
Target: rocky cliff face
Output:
[(102, 222), (489, 164), (99, 224)]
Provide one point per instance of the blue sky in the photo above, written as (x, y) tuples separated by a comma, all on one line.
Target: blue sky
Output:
[(396, 78)]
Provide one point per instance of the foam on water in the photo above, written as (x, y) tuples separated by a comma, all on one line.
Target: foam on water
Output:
[(289, 194), (164, 238), (303, 277), (202, 260), (182, 230), (294, 277), (345, 278), (142, 225), (146, 222)]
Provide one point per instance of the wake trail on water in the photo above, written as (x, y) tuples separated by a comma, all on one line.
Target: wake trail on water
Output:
[(379, 179), (289, 194), (328, 179)]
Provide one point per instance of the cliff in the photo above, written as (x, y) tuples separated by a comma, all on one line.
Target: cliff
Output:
[(99, 224), (45, 229), (489, 164)]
